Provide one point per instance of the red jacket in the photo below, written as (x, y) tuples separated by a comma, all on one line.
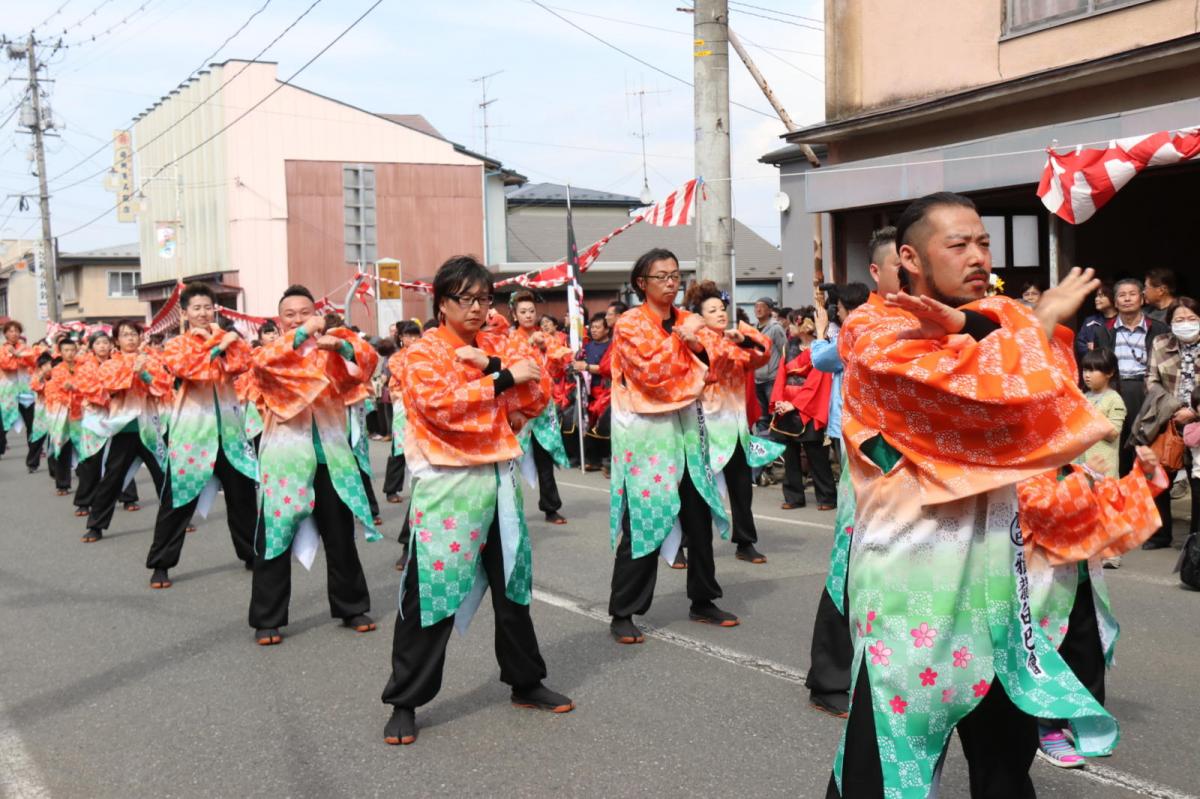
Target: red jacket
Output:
[(811, 400)]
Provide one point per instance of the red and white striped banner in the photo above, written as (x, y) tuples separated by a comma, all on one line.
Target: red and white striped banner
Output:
[(677, 208), (169, 316), (1077, 184)]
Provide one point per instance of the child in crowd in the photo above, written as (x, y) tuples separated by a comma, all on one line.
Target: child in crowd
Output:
[(1099, 369)]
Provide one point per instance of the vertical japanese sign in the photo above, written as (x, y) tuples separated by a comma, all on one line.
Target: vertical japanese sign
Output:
[(123, 176)]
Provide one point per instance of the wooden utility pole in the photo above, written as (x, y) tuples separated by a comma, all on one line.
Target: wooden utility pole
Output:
[(714, 210), (49, 256)]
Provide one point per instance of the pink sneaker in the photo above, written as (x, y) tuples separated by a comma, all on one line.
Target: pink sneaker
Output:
[(1054, 748)]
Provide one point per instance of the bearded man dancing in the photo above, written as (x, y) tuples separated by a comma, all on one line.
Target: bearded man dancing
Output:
[(950, 400)]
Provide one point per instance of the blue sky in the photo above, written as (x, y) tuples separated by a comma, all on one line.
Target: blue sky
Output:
[(563, 111)]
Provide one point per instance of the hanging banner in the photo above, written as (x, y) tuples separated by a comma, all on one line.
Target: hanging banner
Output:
[(39, 263), (166, 236), (122, 175)]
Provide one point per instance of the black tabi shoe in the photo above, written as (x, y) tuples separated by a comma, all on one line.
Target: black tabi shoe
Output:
[(92, 536), (837, 705), (680, 561), (711, 614), (624, 631), (132, 507), (362, 623), (747, 552), (554, 517), (267, 637), (401, 729), (160, 579), (539, 697)]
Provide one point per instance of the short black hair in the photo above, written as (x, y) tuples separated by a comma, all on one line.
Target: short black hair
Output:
[(196, 289), (99, 334), (1162, 276), (66, 338), (408, 329), (1099, 360), (11, 323), (1182, 302), (1031, 284), (918, 210), (599, 317), (642, 265), (620, 306), (297, 290), (136, 327), (557, 324), (853, 295), (884, 237), (268, 326), (44, 359), (456, 275)]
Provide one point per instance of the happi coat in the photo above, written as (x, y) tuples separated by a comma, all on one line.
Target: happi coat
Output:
[(396, 390), (15, 368), (64, 406), (724, 397), (305, 392), (463, 454), (206, 414), (659, 429), (938, 433), (248, 394), (135, 399), (545, 427)]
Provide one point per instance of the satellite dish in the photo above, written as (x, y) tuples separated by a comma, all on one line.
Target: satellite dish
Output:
[(782, 202)]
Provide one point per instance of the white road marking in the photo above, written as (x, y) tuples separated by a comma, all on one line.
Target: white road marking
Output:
[(19, 777), (1093, 771), (797, 522)]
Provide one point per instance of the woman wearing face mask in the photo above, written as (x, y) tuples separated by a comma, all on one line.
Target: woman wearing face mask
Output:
[(1174, 361)]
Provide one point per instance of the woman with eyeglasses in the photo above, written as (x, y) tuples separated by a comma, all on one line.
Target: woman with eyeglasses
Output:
[(732, 450), (663, 488), (467, 393)]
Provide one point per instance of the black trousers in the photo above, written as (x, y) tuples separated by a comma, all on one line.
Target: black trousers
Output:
[(393, 475), (762, 391), (1133, 392), (1082, 648), (998, 740), (818, 464), (241, 509), (345, 582), (419, 653), (832, 653), (123, 450), (597, 444), (372, 500), (633, 579), (548, 499), (62, 466), (33, 455), (1166, 533), (88, 473), (741, 496)]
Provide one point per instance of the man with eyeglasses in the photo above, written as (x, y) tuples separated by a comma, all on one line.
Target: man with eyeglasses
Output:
[(663, 488), (1130, 338), (467, 392)]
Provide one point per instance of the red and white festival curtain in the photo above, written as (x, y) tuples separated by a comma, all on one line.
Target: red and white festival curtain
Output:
[(1077, 184), (169, 316)]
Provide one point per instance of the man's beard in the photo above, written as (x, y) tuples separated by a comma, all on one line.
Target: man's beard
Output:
[(932, 290)]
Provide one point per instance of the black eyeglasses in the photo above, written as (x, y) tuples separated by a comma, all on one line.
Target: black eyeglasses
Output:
[(666, 277), (465, 301)]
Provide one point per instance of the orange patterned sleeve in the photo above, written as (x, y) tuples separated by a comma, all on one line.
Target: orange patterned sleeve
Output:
[(449, 396), (89, 384), (658, 365), (528, 399), (237, 359), (188, 356), (288, 381), (352, 383), (395, 367)]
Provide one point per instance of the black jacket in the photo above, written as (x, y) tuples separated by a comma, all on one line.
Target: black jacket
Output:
[(1106, 337)]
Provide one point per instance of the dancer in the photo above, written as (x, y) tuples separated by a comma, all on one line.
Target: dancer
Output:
[(64, 413), (247, 390), (938, 583), (16, 363), (311, 483), (732, 450), (136, 382), (38, 426), (832, 651), (94, 436), (466, 392), (542, 438), (662, 485), (597, 449), (408, 333), (208, 446)]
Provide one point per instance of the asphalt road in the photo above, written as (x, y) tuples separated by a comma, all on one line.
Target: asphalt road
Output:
[(110, 689)]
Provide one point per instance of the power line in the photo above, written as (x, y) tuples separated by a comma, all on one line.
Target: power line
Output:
[(641, 61), (56, 12), (240, 117), (780, 13), (803, 25), (115, 26), (85, 17), (231, 37), (196, 107)]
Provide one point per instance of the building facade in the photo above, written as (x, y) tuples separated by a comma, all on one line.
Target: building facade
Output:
[(19, 286), (303, 190), (966, 97), (101, 286)]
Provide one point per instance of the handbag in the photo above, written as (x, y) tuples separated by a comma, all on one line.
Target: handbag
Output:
[(786, 428), (1169, 448), (1189, 563)]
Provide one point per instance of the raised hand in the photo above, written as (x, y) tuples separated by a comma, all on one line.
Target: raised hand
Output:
[(1061, 303), (691, 325), (314, 325), (525, 371), (937, 319), (472, 355), (735, 335)]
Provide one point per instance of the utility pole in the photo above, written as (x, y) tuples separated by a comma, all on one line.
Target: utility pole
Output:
[(49, 256), (714, 213), (482, 81), (641, 93)]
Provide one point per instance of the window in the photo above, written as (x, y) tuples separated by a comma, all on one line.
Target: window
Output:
[(358, 193), (68, 286), (1023, 16), (745, 295), (1016, 240), (123, 284), (4, 301)]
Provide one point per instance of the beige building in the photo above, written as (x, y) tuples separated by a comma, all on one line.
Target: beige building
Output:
[(966, 96), (101, 286), (19, 286), (302, 189)]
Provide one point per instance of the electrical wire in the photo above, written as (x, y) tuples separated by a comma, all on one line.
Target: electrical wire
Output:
[(240, 117), (641, 61), (780, 20), (779, 13)]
